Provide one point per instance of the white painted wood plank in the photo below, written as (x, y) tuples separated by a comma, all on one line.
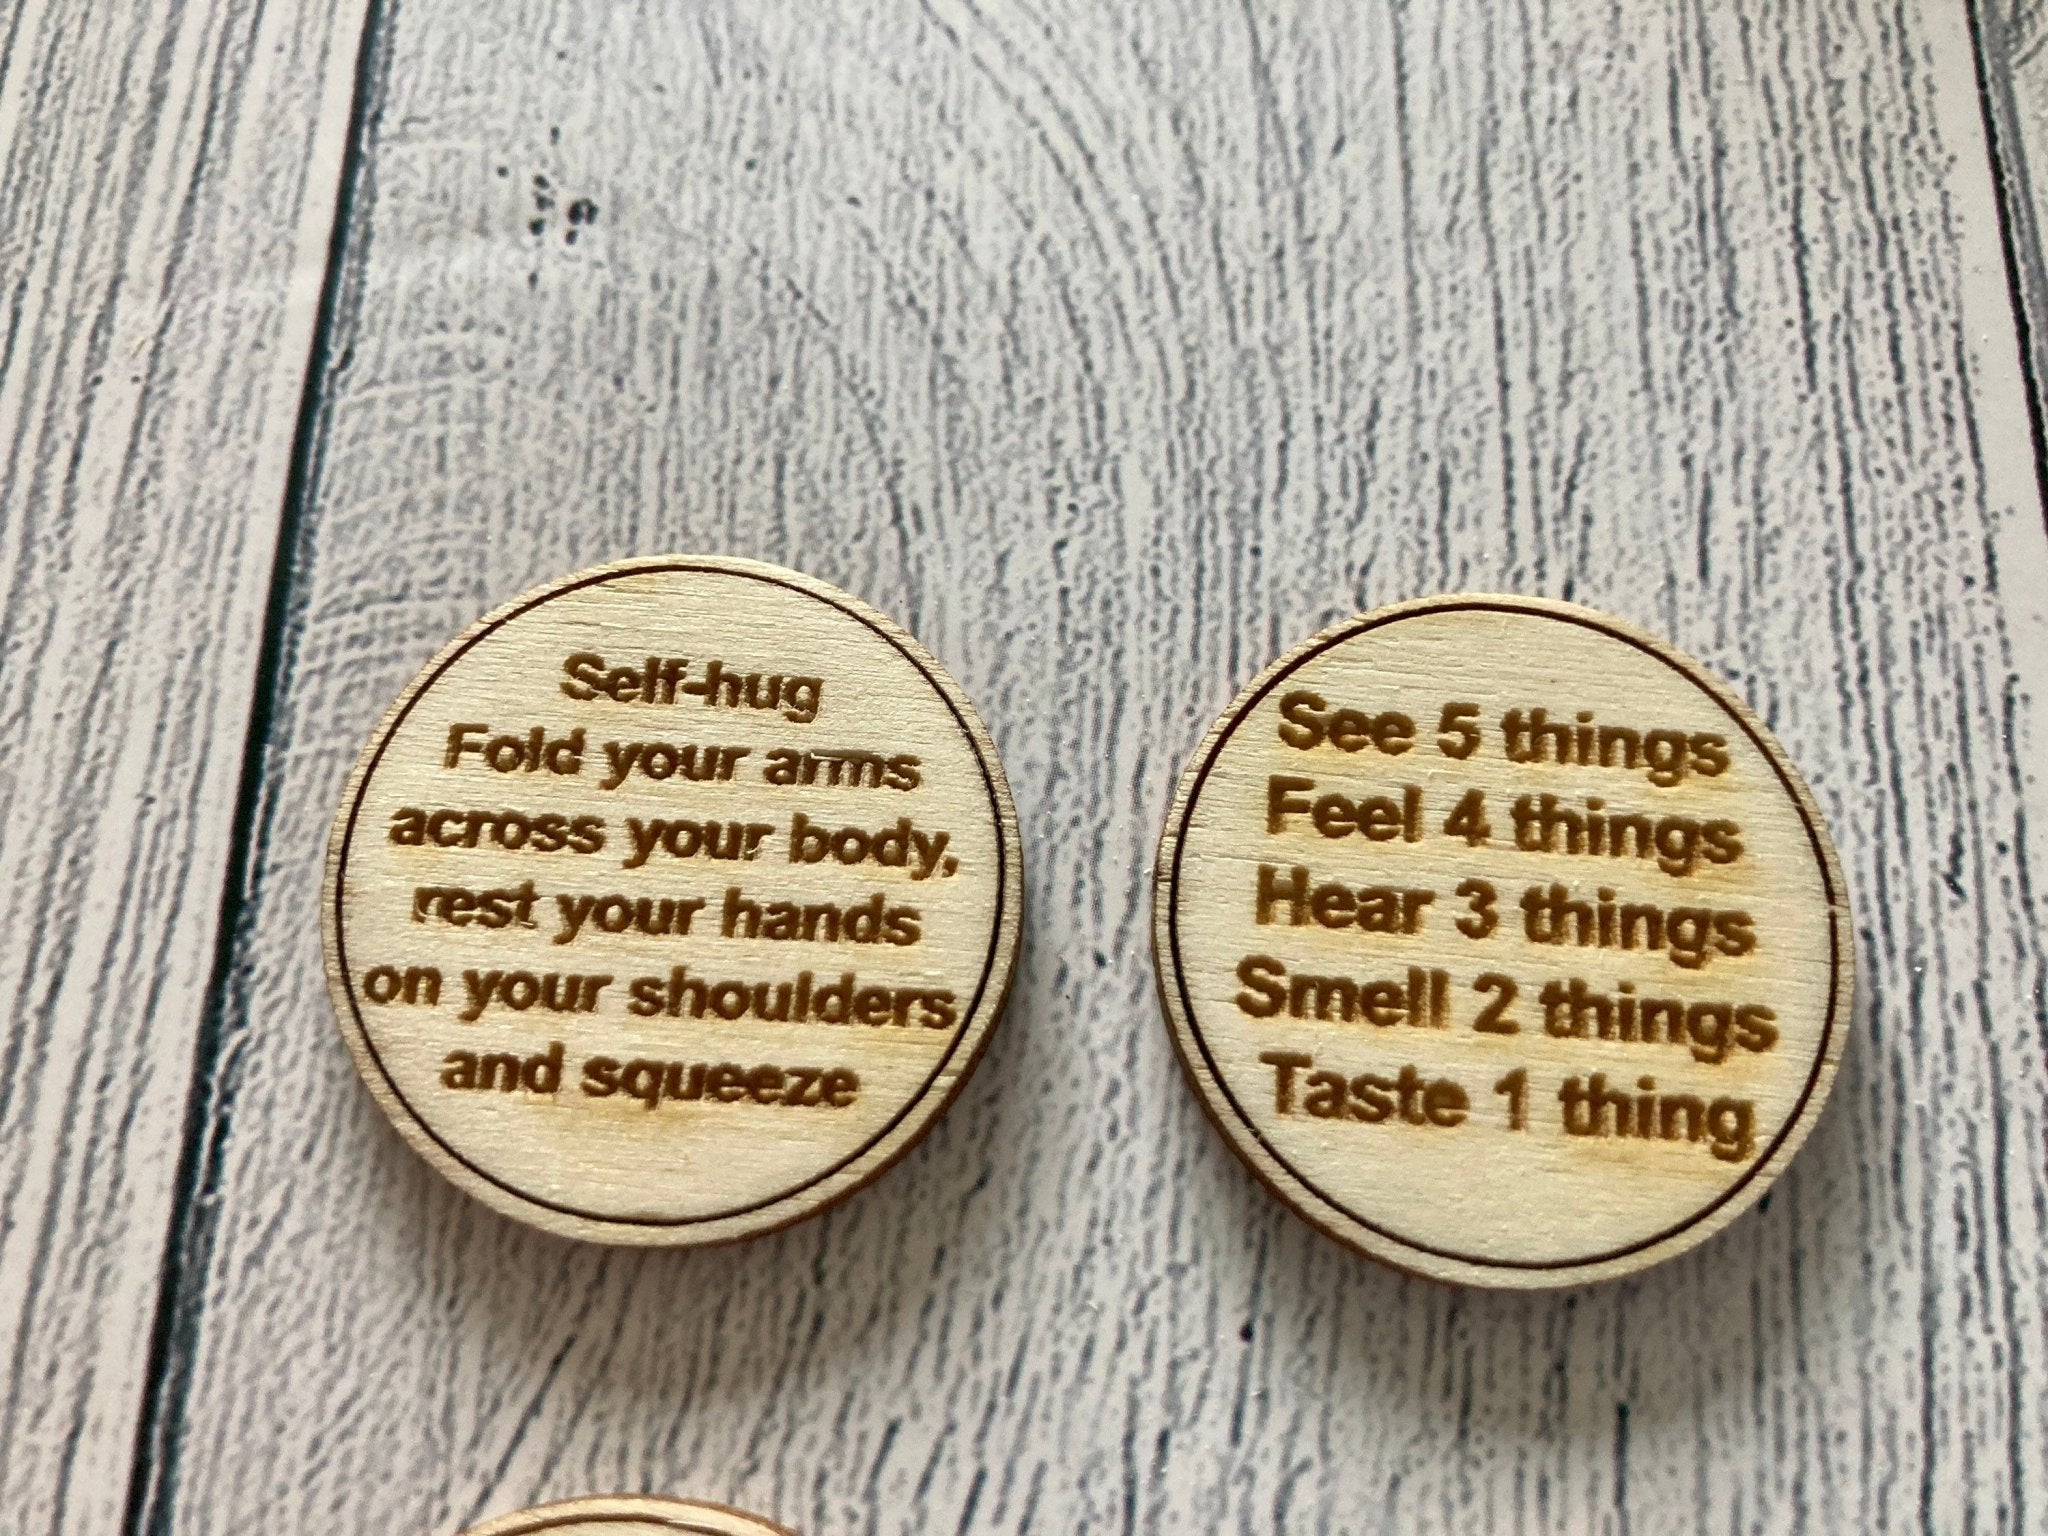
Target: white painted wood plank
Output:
[(169, 176), (1113, 349)]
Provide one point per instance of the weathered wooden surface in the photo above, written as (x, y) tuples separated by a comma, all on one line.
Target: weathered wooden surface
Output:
[(169, 179), (1113, 350), (1113, 356)]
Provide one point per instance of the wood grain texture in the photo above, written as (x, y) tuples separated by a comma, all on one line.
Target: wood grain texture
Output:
[(169, 175), (1110, 349), (672, 902), (1501, 942)]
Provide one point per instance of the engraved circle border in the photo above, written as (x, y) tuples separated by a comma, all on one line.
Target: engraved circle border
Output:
[(1234, 718), (558, 1522), (670, 1513), (425, 683)]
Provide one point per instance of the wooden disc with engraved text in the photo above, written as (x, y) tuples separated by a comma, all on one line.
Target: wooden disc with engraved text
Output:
[(629, 1516), (672, 901), (1502, 941)]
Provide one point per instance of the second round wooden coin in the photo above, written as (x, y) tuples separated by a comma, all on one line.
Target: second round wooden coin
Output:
[(636, 1515), (673, 901), (1502, 941)]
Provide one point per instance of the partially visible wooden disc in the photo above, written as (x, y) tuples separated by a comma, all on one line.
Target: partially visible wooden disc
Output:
[(629, 1516), (1502, 941), (673, 901)]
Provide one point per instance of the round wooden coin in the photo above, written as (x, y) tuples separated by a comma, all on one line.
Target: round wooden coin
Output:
[(1502, 941), (629, 1516), (672, 901)]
